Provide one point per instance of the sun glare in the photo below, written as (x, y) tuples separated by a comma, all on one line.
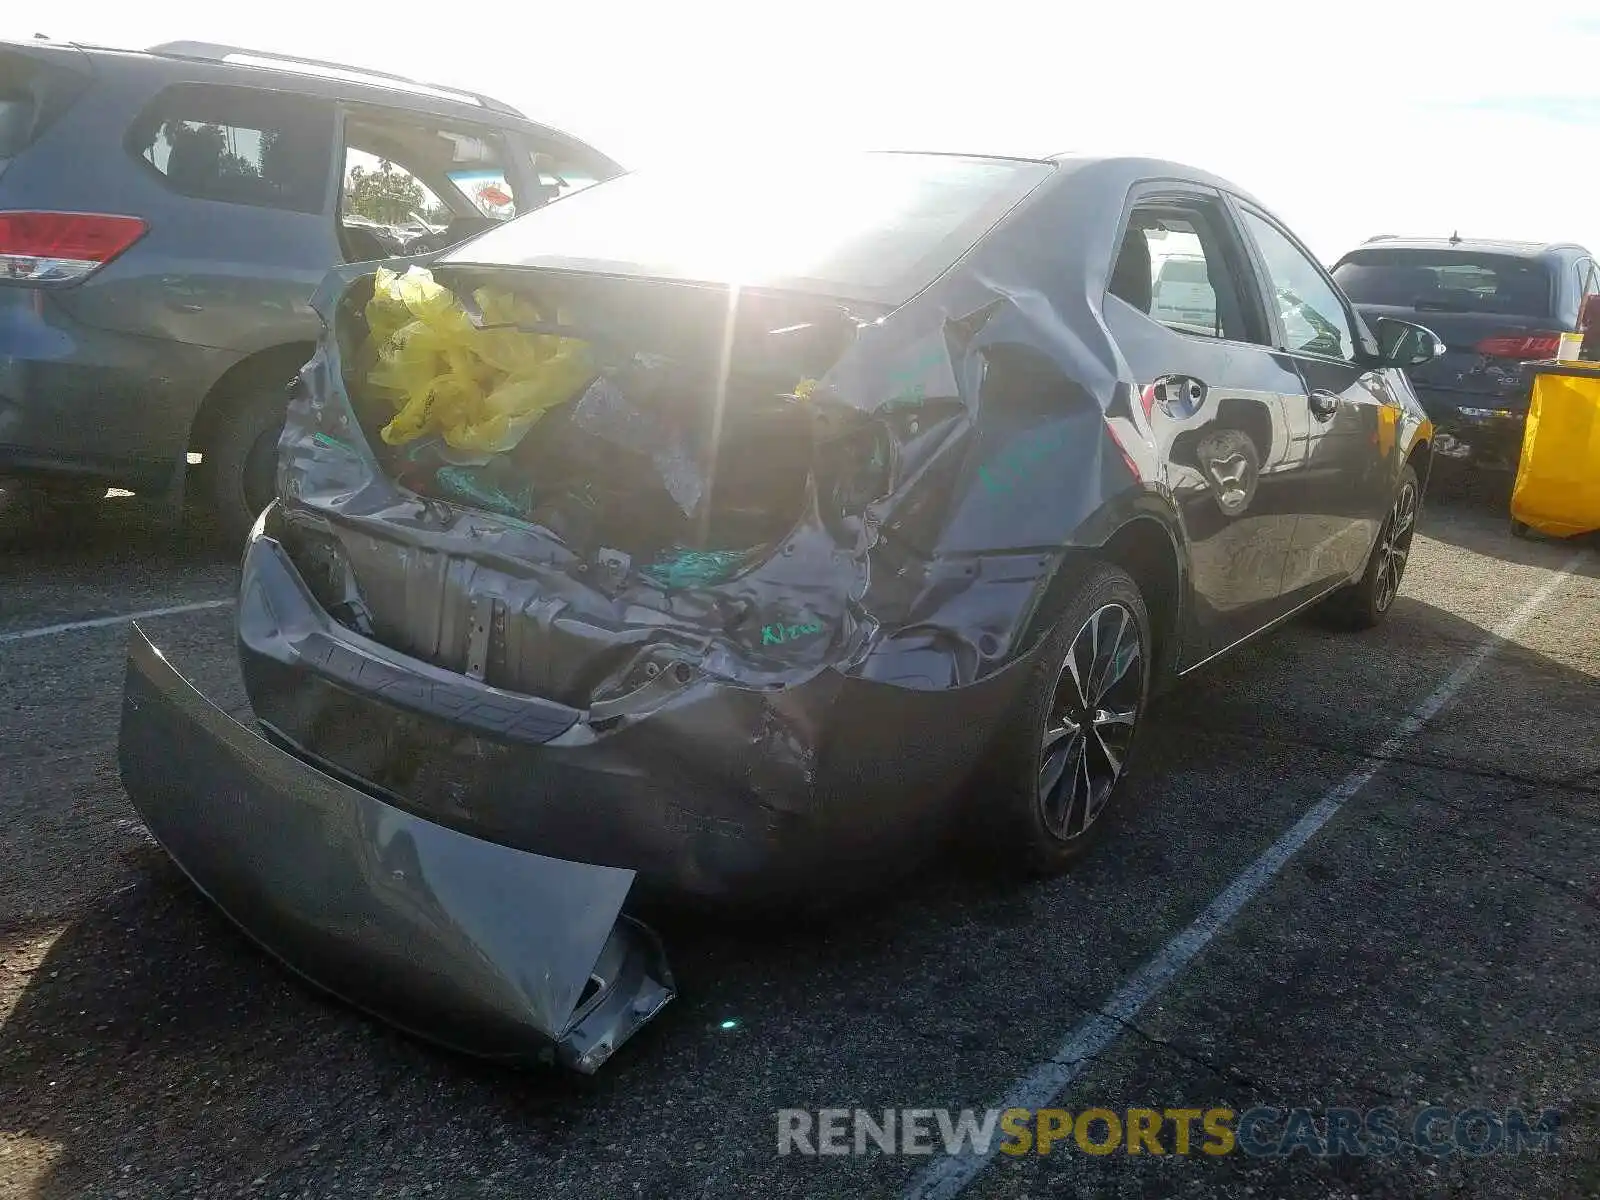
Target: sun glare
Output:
[(780, 223)]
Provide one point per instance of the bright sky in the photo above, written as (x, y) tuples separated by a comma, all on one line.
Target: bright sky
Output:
[(1349, 117)]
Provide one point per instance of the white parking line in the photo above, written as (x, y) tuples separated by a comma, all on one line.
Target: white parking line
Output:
[(949, 1176), (101, 622)]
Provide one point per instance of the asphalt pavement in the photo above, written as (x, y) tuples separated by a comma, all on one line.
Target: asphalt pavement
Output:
[(1430, 938)]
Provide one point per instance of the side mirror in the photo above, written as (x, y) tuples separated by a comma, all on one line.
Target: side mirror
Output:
[(1402, 344)]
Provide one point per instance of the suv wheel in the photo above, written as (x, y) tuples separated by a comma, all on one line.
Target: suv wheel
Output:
[(241, 463), (1060, 757)]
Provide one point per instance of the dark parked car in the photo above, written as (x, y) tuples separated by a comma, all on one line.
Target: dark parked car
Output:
[(872, 492), (1498, 306), (164, 219)]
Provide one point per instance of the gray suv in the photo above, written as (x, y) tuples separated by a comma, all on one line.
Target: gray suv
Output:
[(165, 216)]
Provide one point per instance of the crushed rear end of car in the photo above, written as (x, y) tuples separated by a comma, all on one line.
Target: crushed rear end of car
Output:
[(639, 637), (719, 591)]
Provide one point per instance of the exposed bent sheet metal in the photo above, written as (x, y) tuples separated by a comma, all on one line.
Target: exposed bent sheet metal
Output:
[(487, 949)]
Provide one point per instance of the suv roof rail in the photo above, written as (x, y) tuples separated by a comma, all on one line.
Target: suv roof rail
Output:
[(242, 56), (1383, 237)]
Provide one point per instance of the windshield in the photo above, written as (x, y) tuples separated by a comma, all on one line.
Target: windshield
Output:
[(1446, 281), (873, 226)]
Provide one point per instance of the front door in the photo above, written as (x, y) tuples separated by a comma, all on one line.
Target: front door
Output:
[(1344, 420)]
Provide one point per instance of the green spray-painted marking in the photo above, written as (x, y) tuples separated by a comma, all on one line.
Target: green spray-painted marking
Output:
[(463, 482), (776, 635), (332, 443), (1019, 463), (684, 568), (904, 388)]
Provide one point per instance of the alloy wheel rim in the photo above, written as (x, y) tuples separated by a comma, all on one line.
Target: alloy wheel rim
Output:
[(1093, 713), (1395, 546)]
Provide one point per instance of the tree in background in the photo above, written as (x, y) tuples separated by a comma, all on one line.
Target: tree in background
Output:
[(209, 149), (385, 195)]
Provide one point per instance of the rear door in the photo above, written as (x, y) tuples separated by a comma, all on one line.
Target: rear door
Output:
[(1215, 396), (1344, 421)]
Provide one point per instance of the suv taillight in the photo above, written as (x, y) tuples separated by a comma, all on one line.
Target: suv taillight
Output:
[(54, 247), (1520, 345)]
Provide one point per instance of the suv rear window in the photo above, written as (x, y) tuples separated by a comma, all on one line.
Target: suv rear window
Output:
[(870, 226), (1446, 281), (239, 145), (17, 107)]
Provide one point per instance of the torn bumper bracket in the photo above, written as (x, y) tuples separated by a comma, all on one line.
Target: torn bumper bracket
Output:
[(489, 950)]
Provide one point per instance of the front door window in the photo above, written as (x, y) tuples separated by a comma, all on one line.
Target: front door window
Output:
[(1313, 317)]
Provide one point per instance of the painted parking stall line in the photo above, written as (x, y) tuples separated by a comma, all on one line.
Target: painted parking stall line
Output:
[(25, 635), (949, 1176)]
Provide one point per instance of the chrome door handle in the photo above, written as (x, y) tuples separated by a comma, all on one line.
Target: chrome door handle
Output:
[(1324, 404)]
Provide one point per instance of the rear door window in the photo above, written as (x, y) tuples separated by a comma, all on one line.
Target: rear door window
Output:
[(239, 146), (1172, 267), (1447, 281)]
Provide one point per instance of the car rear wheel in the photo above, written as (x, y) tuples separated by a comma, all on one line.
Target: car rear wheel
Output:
[(1059, 761), (241, 462), (1366, 602)]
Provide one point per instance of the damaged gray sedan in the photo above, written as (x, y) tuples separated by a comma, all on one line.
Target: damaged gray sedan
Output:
[(829, 514)]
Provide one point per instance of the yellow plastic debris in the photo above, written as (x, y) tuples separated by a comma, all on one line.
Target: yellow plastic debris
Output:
[(1558, 479), (481, 389)]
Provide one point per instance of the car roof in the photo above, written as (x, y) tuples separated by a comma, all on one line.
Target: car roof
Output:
[(1134, 168), (212, 62), (1503, 246)]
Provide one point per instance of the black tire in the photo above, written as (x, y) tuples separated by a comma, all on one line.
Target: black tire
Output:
[(1519, 530), (1365, 603), (1013, 813), (239, 470)]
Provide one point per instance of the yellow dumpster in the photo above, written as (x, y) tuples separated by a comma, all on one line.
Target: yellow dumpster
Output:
[(1558, 479)]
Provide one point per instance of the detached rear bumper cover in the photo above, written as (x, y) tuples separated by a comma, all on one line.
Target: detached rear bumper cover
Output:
[(489, 950)]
